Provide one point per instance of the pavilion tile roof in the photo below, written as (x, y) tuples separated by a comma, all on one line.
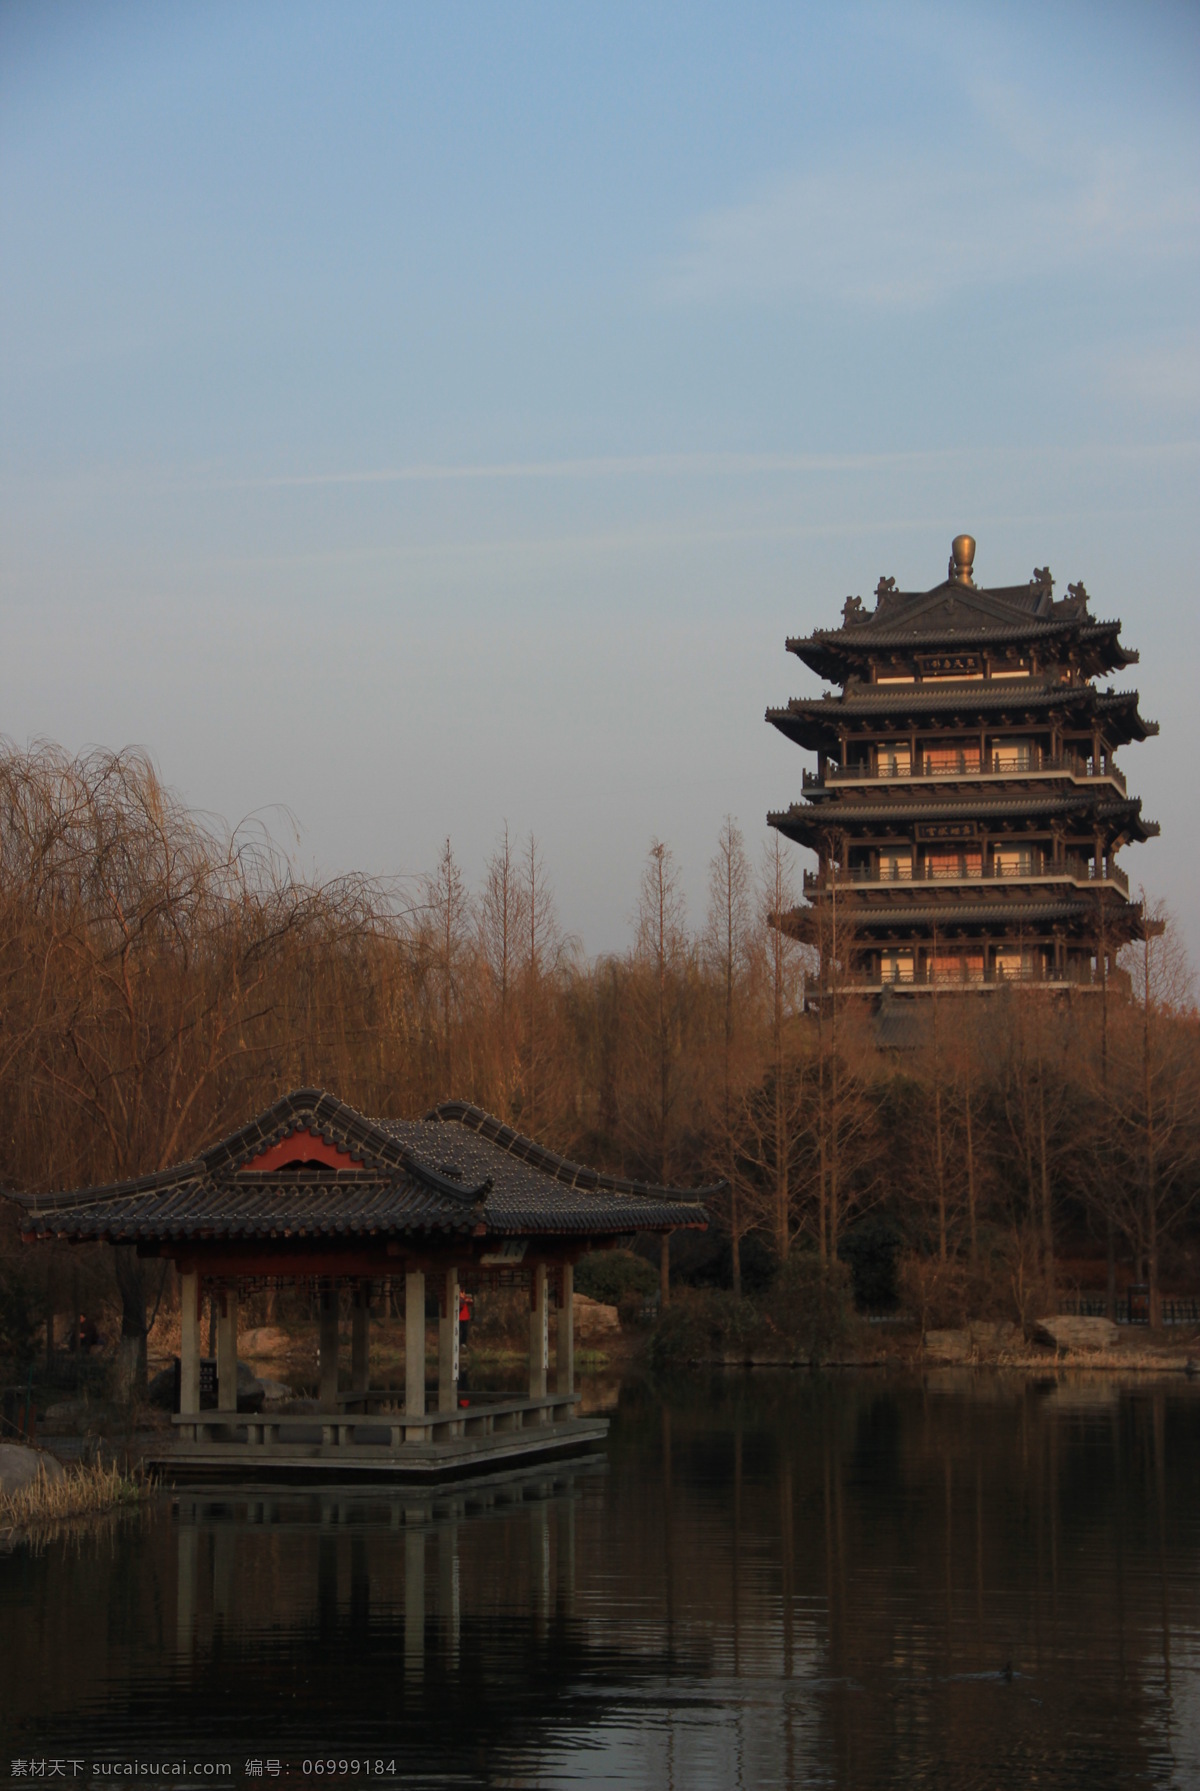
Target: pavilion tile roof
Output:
[(459, 1171)]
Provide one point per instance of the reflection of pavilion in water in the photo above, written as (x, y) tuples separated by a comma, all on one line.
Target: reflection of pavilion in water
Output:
[(343, 1561), (457, 1633), (771, 1579)]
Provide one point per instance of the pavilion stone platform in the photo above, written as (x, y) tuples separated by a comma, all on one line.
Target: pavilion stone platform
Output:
[(312, 1192)]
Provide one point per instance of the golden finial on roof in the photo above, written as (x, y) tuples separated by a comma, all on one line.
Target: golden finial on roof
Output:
[(962, 559)]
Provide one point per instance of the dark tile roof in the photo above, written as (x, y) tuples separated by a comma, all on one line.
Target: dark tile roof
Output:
[(952, 611), (979, 630), (457, 1172), (965, 696), (848, 813), (809, 720), (956, 911), (811, 821)]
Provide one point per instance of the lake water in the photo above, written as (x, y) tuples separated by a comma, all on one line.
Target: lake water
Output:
[(768, 1580)]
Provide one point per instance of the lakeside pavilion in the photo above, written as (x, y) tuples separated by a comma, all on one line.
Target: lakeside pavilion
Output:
[(312, 1193)]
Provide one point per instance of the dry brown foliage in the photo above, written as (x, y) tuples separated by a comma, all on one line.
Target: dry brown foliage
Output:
[(162, 977)]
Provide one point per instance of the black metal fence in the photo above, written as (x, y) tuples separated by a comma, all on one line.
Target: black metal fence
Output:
[(1133, 1307)]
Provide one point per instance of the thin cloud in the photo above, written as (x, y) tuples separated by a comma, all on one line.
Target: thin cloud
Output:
[(1164, 376), (732, 465), (923, 229), (596, 467), (665, 466)]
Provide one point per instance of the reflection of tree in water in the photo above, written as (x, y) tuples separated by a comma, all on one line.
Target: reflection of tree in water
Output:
[(441, 1632), (780, 1579), (952, 1567)]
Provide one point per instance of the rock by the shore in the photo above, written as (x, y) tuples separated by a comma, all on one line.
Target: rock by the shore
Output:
[(265, 1340), (594, 1321), (161, 1390), (992, 1337), (275, 1393), (20, 1466), (66, 1411), (250, 1394), (1066, 1332)]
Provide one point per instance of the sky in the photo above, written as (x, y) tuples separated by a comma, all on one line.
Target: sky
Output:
[(417, 419)]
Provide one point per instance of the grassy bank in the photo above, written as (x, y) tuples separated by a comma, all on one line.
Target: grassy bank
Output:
[(79, 1491)]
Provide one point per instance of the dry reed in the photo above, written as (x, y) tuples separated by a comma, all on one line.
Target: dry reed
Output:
[(78, 1492)]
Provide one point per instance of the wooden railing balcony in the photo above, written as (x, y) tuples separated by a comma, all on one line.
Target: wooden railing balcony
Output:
[(1050, 870), (997, 765), (991, 976)]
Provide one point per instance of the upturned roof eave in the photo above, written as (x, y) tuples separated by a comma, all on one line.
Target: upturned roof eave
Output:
[(801, 820), (213, 1195), (807, 719), (78, 1225), (964, 912), (866, 635)]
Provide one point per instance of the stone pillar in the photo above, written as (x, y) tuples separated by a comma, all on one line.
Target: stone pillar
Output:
[(564, 1376), (327, 1389), (414, 1344), (189, 1342), (360, 1341), (664, 1272), (227, 1330), (539, 1332), (448, 1344)]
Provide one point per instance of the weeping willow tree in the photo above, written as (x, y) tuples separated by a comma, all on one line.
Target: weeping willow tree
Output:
[(160, 975)]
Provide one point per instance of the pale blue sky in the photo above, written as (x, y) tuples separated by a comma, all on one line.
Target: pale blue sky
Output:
[(422, 417)]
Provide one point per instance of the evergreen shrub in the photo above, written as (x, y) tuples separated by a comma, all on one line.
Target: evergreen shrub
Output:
[(812, 1307), (611, 1276), (701, 1323), (870, 1251)]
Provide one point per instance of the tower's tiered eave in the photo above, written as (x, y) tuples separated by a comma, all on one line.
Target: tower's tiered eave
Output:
[(819, 722), (994, 622), (807, 822), (960, 915), (967, 808)]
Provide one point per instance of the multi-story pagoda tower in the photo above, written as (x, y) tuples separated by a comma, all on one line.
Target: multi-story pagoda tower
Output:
[(967, 809)]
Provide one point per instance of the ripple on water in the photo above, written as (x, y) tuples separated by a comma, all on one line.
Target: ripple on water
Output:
[(780, 1580)]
